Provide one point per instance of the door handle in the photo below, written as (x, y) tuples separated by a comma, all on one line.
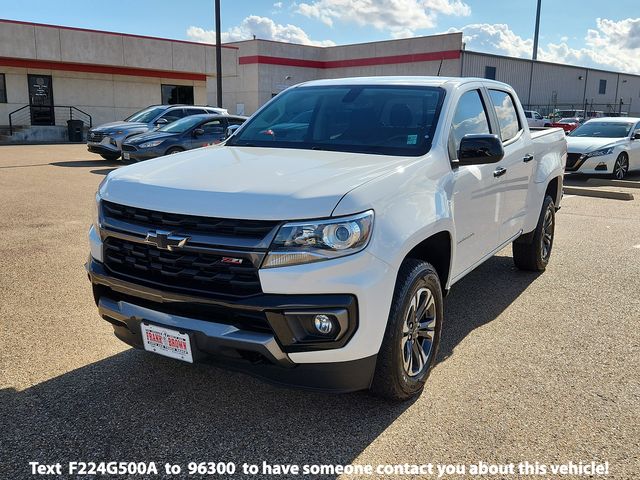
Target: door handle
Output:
[(527, 158), (498, 172)]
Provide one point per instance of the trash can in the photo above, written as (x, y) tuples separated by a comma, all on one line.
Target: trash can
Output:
[(75, 129)]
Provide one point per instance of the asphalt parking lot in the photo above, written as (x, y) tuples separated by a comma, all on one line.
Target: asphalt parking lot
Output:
[(539, 368)]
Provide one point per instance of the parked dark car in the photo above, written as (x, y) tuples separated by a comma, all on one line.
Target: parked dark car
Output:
[(184, 134), (106, 140)]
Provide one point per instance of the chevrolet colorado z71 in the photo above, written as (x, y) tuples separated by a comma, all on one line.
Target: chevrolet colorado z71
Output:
[(313, 247)]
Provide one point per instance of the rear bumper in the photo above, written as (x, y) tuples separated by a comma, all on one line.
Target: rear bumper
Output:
[(260, 353)]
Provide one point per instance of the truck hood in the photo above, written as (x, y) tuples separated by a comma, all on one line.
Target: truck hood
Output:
[(246, 182), (589, 144)]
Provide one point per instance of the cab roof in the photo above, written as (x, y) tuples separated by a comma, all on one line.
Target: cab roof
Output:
[(402, 80)]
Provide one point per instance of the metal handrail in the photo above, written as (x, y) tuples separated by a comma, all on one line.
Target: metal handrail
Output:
[(70, 107)]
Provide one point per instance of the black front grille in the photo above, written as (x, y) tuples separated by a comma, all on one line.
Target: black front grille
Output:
[(253, 320), (194, 272), (256, 229), (128, 148), (96, 136), (572, 160)]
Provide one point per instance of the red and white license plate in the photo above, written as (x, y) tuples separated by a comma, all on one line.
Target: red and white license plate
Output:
[(167, 342)]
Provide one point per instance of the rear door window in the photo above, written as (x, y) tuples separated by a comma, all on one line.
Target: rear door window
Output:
[(195, 111), (173, 114), (506, 113), (213, 128)]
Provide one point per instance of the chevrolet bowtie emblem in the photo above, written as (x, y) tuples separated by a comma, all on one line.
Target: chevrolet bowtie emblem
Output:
[(166, 240)]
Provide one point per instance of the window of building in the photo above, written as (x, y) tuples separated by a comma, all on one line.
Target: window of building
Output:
[(173, 94), (490, 72), (506, 113), (602, 89), (470, 117), (3, 89)]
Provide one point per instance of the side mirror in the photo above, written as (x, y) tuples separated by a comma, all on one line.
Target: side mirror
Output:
[(636, 135), (198, 132), (162, 121), (478, 149), (231, 130)]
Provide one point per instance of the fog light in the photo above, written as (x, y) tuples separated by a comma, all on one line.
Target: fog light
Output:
[(323, 324), (601, 167)]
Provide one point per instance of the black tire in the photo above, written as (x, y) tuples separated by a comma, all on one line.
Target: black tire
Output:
[(173, 150), (110, 158), (532, 252), (620, 167), (392, 379)]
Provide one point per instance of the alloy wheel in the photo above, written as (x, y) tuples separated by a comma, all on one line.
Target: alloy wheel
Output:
[(418, 332), (621, 167), (547, 233)]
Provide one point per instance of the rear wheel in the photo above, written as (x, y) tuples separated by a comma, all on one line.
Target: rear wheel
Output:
[(532, 252), (621, 167), (111, 158), (412, 337)]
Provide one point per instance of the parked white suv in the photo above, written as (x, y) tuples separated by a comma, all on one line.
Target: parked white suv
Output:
[(317, 252)]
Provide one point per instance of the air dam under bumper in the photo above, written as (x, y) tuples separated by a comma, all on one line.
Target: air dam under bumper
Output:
[(219, 342)]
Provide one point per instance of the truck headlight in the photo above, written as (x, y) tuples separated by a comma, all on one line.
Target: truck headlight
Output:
[(151, 144), (601, 152), (96, 213), (314, 241)]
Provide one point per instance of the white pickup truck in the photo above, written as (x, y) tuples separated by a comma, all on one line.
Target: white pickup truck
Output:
[(315, 246)]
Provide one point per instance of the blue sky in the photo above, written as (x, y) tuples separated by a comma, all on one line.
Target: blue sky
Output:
[(570, 30)]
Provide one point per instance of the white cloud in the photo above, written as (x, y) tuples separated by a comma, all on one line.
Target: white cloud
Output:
[(401, 18), (263, 28), (495, 38), (277, 5), (613, 44)]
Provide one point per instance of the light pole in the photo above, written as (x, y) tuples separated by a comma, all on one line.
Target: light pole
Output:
[(218, 56), (537, 32)]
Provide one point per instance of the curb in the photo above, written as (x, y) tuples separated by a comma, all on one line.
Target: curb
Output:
[(590, 192), (613, 183)]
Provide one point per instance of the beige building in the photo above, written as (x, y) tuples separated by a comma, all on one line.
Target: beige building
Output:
[(48, 69), (49, 74)]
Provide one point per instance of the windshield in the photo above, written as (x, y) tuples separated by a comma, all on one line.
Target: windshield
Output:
[(146, 115), (386, 120), (603, 130), (182, 125)]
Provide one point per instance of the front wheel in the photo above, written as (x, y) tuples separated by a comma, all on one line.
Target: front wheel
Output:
[(173, 150), (621, 167), (532, 252), (412, 337)]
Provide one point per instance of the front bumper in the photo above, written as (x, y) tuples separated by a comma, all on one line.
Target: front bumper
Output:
[(140, 155), (103, 149), (262, 353), (592, 165)]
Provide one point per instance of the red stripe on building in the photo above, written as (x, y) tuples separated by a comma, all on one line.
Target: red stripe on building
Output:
[(352, 62), (91, 68)]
